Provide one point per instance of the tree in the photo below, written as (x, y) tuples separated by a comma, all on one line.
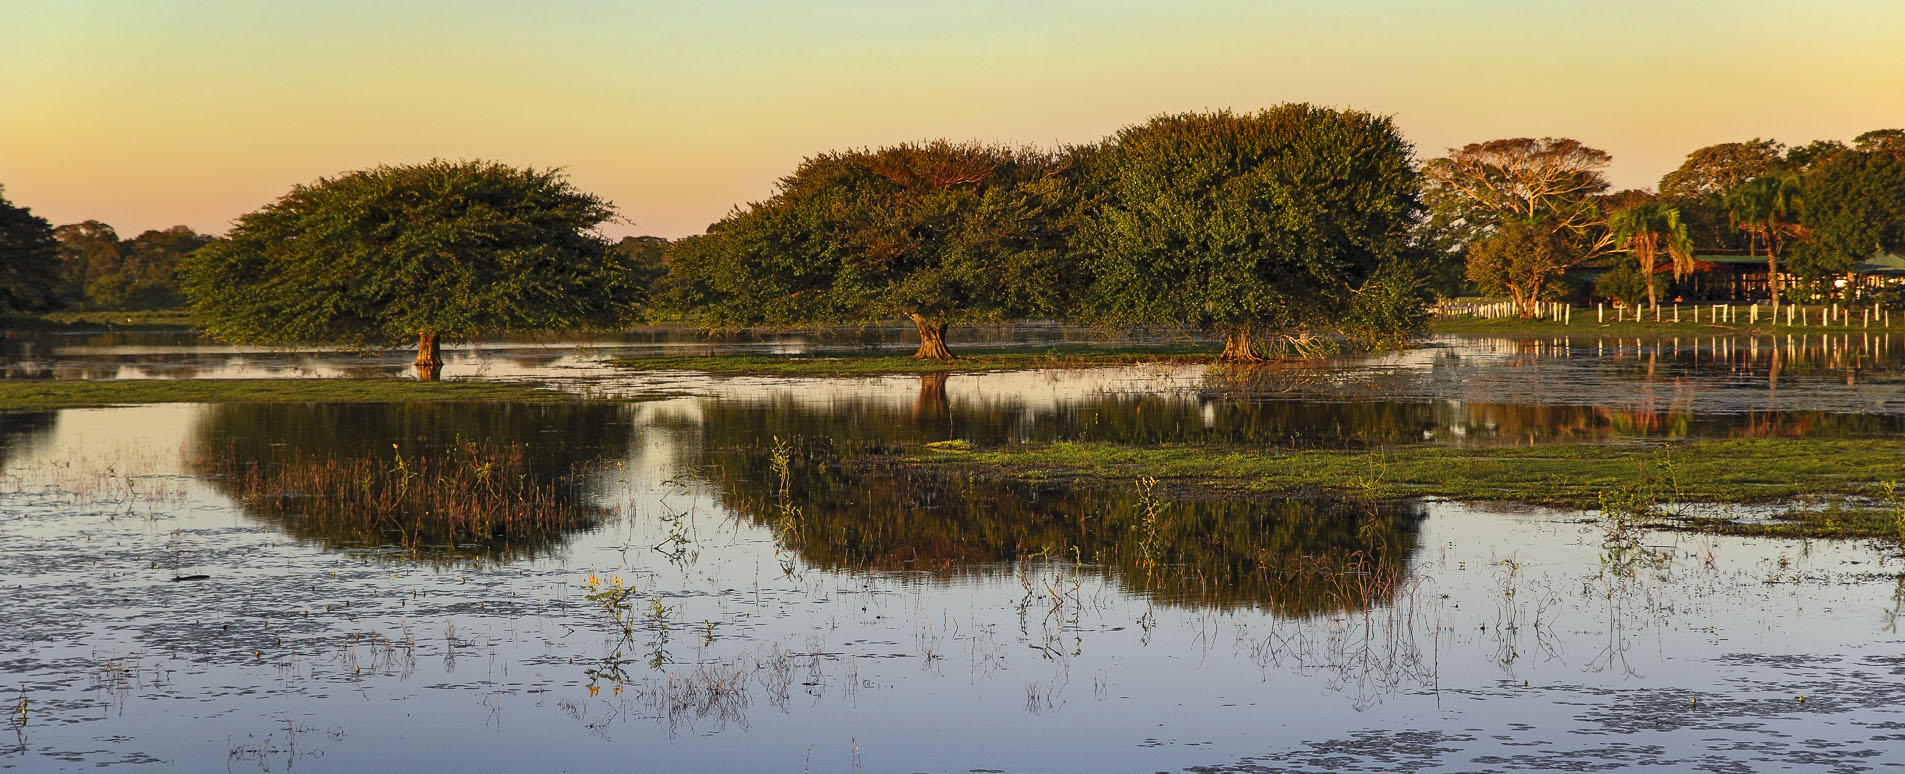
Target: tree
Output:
[(29, 261), (646, 256), (457, 249), (1285, 222), (147, 276), (1626, 285), (1880, 140), (1716, 169), (934, 233), (1804, 157), (1767, 209), (1855, 205), (88, 250), (1698, 187), (1521, 260), (1647, 228), (1552, 181), (1523, 184)]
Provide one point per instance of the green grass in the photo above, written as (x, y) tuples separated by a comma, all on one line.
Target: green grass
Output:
[(152, 319), (46, 395), (884, 364), (1570, 475)]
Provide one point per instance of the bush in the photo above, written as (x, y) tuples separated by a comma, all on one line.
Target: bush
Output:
[(1624, 285)]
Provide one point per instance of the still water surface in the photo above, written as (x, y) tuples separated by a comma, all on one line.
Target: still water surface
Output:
[(879, 618)]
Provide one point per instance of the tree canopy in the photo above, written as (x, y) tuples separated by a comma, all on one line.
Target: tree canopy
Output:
[(102, 271), (1286, 221), (1716, 169), (936, 233), (29, 260), (1855, 205), (1527, 185), (1767, 209), (454, 249), (1648, 228), (1521, 259)]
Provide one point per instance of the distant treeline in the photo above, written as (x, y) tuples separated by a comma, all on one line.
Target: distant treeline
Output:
[(1295, 228)]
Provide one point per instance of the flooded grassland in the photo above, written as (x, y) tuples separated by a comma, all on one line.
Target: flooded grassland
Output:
[(1104, 569)]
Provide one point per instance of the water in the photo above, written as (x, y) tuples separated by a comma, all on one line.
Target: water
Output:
[(891, 620)]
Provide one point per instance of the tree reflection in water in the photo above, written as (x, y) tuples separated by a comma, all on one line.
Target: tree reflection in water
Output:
[(1293, 556), (442, 481)]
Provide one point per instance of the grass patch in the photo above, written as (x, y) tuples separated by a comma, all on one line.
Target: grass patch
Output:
[(1570, 475), (145, 319), (46, 395), (885, 364)]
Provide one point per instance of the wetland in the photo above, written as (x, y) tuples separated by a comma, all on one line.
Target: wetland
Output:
[(1509, 553)]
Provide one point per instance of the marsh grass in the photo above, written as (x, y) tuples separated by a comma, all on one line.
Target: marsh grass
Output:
[(1564, 474), (478, 493)]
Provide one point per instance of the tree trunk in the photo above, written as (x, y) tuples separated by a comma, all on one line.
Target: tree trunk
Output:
[(931, 403), (932, 339), (429, 357), (1772, 278), (1647, 274), (1237, 348)]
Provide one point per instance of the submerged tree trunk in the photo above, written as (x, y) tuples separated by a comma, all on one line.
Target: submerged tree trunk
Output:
[(429, 357), (1237, 347), (932, 339)]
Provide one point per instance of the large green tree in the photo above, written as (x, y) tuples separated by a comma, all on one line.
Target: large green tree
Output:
[(1281, 223), (1767, 209), (88, 250), (1855, 205), (29, 260), (1521, 260), (1716, 169), (935, 233), (456, 249), (1648, 228), (1552, 183)]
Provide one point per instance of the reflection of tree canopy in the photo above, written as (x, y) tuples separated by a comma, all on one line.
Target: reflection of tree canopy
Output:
[(19, 430), (456, 479), (1141, 419), (1291, 556)]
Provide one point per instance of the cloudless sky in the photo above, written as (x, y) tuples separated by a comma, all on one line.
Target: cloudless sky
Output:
[(149, 113)]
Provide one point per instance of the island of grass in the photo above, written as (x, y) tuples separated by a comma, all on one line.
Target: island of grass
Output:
[(48, 395), (1817, 488), (896, 364)]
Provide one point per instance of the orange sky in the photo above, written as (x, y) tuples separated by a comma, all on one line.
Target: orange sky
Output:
[(149, 113)]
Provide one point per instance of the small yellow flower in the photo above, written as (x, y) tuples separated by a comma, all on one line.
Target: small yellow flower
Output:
[(593, 690), (593, 581), (618, 689), (617, 580)]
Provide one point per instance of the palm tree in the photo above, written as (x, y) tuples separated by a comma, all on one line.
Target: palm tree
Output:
[(1645, 229), (1767, 209)]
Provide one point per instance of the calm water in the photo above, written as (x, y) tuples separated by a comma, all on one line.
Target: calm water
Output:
[(880, 618)]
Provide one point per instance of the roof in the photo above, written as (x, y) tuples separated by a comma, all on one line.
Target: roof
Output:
[(1756, 260), (1882, 263)]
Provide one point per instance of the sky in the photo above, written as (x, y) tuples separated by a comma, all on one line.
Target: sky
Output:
[(150, 113)]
